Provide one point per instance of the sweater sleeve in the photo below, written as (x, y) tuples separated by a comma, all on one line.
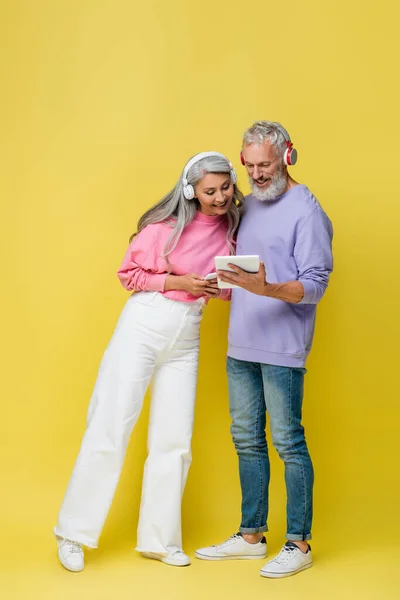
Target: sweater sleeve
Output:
[(226, 294), (313, 255), (141, 269)]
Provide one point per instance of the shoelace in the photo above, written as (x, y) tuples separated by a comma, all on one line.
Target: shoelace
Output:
[(233, 537), (73, 547), (284, 555)]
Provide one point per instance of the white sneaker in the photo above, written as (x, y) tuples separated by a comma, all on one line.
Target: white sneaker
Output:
[(234, 548), (175, 557), (290, 560), (70, 555)]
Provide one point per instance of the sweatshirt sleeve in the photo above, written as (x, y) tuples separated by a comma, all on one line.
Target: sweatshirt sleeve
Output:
[(142, 268), (226, 294), (313, 255)]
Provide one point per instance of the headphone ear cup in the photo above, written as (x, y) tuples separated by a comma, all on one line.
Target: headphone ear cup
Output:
[(188, 191), (233, 176), (242, 159), (290, 157), (286, 157)]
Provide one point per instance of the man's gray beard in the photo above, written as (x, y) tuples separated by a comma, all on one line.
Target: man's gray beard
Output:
[(275, 188)]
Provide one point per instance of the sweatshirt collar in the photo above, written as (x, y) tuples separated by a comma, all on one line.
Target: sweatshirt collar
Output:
[(208, 219)]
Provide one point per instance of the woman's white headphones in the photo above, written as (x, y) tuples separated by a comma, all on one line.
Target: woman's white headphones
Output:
[(188, 189)]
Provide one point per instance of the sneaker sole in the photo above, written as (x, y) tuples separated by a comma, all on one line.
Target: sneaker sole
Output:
[(236, 557), (164, 559), (280, 575)]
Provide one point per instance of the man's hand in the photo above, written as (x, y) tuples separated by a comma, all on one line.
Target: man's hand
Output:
[(289, 291), (252, 282)]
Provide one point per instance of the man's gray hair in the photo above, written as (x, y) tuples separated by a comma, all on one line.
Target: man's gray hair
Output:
[(261, 131)]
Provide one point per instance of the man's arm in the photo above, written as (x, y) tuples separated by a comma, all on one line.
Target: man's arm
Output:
[(291, 291), (313, 255)]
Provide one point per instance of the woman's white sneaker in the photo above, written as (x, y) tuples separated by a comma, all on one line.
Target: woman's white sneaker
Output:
[(71, 555), (234, 548), (290, 560), (175, 557)]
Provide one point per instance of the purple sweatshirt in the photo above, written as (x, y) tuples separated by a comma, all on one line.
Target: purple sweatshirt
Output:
[(293, 236)]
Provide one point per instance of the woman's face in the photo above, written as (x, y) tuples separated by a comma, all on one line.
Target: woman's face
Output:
[(214, 193)]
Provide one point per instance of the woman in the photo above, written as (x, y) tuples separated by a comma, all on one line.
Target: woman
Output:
[(156, 338)]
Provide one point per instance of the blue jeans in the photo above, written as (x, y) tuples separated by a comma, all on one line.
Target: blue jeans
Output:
[(254, 389)]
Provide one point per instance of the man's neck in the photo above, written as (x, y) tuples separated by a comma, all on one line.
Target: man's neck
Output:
[(291, 183)]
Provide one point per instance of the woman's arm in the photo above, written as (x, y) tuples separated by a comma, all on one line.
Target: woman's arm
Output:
[(141, 268), (144, 269)]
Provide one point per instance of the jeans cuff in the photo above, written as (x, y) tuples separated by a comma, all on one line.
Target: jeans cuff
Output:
[(293, 537), (253, 529)]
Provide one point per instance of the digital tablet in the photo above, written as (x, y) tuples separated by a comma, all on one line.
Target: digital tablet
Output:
[(247, 262)]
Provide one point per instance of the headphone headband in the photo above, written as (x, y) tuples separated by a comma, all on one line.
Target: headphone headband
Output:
[(290, 155), (283, 132), (188, 190)]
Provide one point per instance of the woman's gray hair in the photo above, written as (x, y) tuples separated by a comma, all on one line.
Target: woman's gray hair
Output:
[(266, 130), (178, 212)]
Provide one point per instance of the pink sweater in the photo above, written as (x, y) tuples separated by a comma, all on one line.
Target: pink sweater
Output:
[(144, 268)]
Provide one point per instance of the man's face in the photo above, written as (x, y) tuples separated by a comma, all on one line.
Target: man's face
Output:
[(266, 171)]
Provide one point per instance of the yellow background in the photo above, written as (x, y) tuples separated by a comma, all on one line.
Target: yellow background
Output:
[(102, 102)]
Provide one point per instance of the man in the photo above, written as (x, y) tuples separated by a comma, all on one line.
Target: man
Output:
[(270, 335)]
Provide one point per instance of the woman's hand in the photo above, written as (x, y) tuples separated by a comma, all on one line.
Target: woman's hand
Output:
[(191, 283), (194, 284), (212, 290)]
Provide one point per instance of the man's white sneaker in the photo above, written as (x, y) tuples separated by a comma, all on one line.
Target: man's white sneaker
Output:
[(70, 555), (234, 548), (290, 560), (175, 557)]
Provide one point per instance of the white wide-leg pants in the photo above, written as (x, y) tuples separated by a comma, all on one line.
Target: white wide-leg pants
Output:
[(155, 338)]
